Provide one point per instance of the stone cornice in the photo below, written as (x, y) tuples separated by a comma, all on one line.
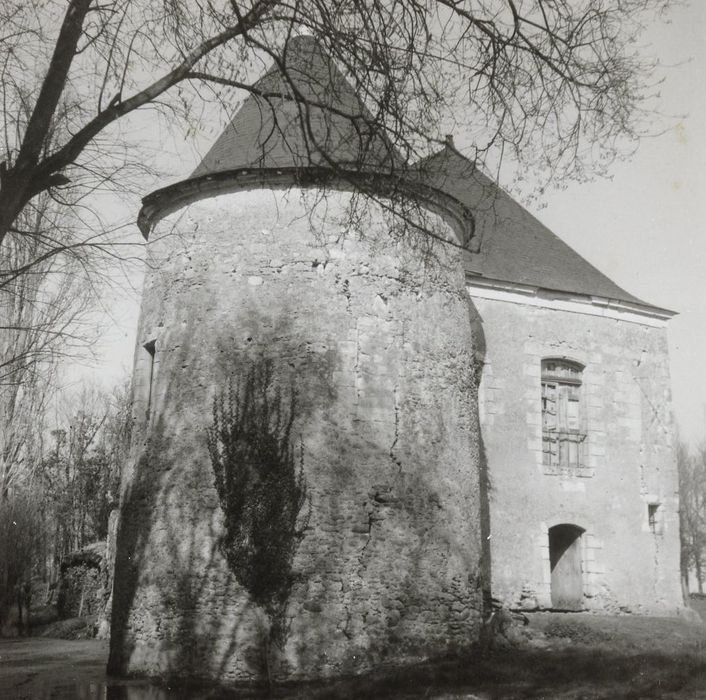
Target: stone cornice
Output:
[(567, 301), (164, 201)]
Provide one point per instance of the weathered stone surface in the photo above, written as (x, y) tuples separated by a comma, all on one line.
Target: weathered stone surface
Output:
[(629, 458), (376, 338)]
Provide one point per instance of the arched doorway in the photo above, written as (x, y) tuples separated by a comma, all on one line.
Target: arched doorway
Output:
[(565, 559)]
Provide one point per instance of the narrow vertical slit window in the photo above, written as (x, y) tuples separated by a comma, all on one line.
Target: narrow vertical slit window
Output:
[(653, 519), (150, 347)]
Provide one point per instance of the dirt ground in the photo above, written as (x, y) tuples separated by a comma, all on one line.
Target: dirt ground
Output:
[(563, 656), (60, 669)]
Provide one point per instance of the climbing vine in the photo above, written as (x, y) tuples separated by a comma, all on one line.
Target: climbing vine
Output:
[(258, 475)]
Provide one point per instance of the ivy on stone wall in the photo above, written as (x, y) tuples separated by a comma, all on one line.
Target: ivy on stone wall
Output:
[(260, 484)]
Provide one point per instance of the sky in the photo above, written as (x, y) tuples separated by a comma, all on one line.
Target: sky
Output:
[(645, 227)]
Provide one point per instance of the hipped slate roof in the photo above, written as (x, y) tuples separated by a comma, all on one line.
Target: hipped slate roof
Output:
[(514, 246), (306, 114)]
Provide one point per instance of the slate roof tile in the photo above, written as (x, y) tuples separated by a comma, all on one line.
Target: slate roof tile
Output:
[(515, 247), (325, 123)]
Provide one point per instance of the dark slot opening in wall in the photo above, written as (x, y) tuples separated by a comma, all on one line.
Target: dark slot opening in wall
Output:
[(653, 517), (150, 347)]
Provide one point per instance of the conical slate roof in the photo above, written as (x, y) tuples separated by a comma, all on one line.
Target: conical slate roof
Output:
[(514, 246), (303, 113)]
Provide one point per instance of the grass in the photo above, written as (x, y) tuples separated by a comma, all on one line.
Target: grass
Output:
[(568, 656)]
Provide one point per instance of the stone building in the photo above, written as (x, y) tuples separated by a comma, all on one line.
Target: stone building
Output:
[(578, 435), (575, 409), (261, 258)]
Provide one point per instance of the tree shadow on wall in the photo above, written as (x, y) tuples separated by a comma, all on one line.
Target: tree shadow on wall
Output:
[(167, 556), (391, 540), (174, 588), (389, 545), (485, 483), (173, 585), (166, 563), (259, 477)]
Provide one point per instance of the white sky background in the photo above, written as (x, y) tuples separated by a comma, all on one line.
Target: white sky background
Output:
[(645, 227)]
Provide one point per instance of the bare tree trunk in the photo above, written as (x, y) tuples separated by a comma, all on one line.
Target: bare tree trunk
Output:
[(20, 620), (83, 593), (699, 573), (26, 180), (685, 588)]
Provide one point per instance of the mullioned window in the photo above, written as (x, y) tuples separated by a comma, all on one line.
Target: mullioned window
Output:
[(563, 420)]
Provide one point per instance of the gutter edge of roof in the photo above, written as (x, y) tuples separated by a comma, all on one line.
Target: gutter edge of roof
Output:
[(547, 293)]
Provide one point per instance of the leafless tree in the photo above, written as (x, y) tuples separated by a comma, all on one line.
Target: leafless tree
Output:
[(554, 82), (44, 309), (692, 512), (81, 466), (20, 533), (64, 502)]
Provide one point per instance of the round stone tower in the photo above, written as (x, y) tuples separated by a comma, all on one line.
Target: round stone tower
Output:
[(257, 269)]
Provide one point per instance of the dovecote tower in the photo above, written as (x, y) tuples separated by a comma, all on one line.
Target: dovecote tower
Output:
[(255, 259)]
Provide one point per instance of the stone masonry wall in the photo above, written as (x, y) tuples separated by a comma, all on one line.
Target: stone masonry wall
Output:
[(83, 584), (378, 342), (629, 459)]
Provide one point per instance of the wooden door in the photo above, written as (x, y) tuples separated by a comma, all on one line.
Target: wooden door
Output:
[(566, 567)]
